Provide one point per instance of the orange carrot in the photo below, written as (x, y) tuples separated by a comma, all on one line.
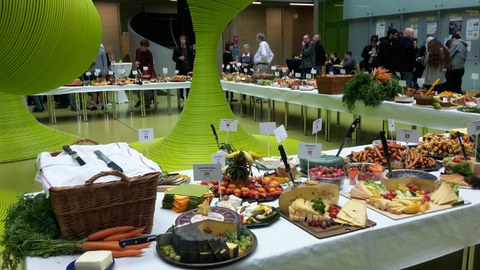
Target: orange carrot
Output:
[(109, 232), (126, 235), (90, 245), (137, 247), (126, 253)]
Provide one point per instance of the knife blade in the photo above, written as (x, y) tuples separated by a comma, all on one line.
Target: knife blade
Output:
[(348, 136), (285, 162), (162, 239), (109, 163), (74, 155)]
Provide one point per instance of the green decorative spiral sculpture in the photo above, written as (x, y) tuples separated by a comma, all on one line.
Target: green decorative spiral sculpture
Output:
[(192, 141), (44, 44)]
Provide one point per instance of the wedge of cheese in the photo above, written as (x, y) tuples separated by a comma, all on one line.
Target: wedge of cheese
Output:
[(353, 213), (94, 260), (444, 194)]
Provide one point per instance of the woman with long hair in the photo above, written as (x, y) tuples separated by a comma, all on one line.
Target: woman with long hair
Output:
[(437, 60)]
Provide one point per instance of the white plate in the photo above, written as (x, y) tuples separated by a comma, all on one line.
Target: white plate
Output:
[(306, 88)]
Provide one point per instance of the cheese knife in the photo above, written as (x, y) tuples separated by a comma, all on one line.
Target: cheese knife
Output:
[(162, 239), (285, 162), (348, 136), (109, 163), (74, 155)]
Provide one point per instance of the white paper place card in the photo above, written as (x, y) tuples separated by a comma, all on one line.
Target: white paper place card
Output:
[(420, 82), (228, 125), (96, 73), (317, 125), (408, 135), (219, 158), (474, 76), (284, 70), (309, 150), (473, 128), (223, 66), (228, 67), (134, 72), (342, 71), (313, 71), (391, 124), (145, 68), (277, 74), (110, 72), (97, 70), (165, 70), (207, 172), (245, 70), (298, 75), (145, 135), (331, 72), (267, 128), (274, 68), (308, 76), (280, 133), (88, 73), (239, 64), (402, 83)]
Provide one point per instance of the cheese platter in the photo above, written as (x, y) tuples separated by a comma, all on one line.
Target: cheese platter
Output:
[(315, 210)]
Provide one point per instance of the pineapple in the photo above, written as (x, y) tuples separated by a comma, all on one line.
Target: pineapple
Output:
[(238, 168)]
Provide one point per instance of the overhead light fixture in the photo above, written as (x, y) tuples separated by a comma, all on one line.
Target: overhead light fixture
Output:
[(256, 3), (173, 0), (301, 4)]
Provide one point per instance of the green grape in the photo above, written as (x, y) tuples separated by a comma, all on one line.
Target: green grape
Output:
[(177, 258)]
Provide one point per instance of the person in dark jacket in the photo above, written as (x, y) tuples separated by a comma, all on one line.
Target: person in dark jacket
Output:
[(403, 56), (183, 57), (246, 60), (320, 55), (228, 61), (369, 55), (308, 55), (384, 55), (458, 52)]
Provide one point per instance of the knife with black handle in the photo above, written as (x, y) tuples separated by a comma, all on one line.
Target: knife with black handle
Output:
[(74, 155), (109, 163), (285, 162), (162, 239)]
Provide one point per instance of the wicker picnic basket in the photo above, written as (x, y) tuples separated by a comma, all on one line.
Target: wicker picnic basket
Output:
[(332, 84), (84, 209)]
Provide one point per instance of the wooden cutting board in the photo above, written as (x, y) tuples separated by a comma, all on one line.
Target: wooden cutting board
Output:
[(320, 233)]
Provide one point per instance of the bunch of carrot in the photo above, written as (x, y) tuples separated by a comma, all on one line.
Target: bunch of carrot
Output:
[(381, 74), (108, 239)]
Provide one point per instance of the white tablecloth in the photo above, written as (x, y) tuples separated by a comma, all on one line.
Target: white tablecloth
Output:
[(389, 245)]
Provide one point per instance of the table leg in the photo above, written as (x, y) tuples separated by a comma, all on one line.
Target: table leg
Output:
[(471, 257), (384, 125), (338, 118), (104, 100), (142, 104), (424, 130), (328, 121), (84, 107), (301, 111), (273, 110), (305, 119), (269, 110), (241, 105), (51, 109), (287, 111), (114, 105), (254, 108), (130, 103), (78, 103), (319, 113), (155, 104), (169, 101), (178, 98)]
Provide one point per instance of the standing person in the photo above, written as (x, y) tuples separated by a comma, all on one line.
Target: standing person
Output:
[(308, 55), (246, 60), (101, 64), (458, 52), (320, 56), (144, 58), (420, 59), (384, 55), (183, 57), (264, 55), (437, 60), (403, 56), (369, 55), (228, 61)]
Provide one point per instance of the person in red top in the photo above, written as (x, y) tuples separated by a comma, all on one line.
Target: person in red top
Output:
[(144, 59)]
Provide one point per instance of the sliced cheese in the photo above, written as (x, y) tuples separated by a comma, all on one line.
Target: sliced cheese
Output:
[(444, 194), (233, 248), (94, 260), (355, 213)]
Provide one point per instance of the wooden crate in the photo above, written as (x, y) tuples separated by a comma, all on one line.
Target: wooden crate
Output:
[(332, 84)]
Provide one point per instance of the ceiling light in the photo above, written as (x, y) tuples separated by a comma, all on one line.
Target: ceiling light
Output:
[(256, 3), (301, 4)]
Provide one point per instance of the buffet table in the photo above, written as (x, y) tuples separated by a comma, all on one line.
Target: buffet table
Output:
[(389, 245), (444, 119), (84, 90)]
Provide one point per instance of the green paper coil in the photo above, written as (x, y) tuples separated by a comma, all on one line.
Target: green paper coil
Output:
[(22, 136), (191, 141), (46, 43)]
